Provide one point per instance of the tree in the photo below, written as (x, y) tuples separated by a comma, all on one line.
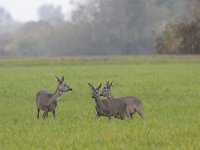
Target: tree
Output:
[(125, 27), (4, 15), (100, 27), (50, 13), (182, 37)]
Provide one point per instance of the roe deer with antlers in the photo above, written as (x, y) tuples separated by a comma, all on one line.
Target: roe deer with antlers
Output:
[(110, 107), (133, 103), (47, 102)]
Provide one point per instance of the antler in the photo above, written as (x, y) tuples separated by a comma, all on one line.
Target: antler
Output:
[(99, 86), (111, 83), (63, 78), (91, 85), (58, 79)]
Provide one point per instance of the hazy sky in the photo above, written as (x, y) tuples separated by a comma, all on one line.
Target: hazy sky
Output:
[(26, 10)]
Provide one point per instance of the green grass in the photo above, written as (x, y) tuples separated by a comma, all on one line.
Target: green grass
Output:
[(169, 88)]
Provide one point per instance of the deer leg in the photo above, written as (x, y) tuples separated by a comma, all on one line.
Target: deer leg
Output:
[(45, 114), (122, 116), (54, 114), (139, 111), (118, 116), (38, 112), (141, 114), (127, 114), (109, 118), (108, 114), (96, 116), (132, 113)]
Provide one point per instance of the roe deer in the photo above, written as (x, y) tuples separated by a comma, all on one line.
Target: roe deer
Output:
[(133, 103), (106, 90), (110, 107), (47, 102)]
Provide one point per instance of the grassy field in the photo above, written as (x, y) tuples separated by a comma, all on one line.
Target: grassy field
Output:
[(169, 88)]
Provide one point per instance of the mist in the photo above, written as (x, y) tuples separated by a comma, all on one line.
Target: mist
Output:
[(96, 27)]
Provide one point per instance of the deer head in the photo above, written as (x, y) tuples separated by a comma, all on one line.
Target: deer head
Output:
[(106, 90), (95, 91), (62, 86)]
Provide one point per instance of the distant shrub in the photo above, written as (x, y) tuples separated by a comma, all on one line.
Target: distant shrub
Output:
[(182, 38)]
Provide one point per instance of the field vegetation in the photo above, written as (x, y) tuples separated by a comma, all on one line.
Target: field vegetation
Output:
[(169, 88)]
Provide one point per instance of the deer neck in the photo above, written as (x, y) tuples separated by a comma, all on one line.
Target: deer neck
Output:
[(56, 95), (98, 101), (109, 96), (101, 108)]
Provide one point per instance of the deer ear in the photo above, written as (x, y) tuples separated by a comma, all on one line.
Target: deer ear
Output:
[(59, 81), (107, 83), (99, 86), (90, 85), (57, 78), (111, 83)]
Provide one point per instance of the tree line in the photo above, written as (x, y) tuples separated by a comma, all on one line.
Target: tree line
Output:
[(100, 27)]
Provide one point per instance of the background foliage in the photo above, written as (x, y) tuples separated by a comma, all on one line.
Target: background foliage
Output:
[(103, 27), (181, 37)]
